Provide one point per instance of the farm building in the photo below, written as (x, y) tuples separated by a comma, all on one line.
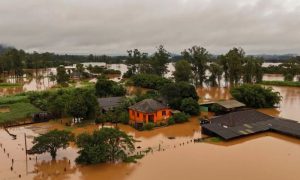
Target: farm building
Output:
[(109, 103), (247, 122)]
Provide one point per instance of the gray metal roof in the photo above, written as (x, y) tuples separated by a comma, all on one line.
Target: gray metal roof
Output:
[(109, 103), (229, 104), (243, 123), (148, 106)]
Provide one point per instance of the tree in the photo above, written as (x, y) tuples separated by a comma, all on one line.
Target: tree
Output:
[(51, 142), (159, 61), (190, 106), (290, 69), (235, 59), (62, 77), (134, 59), (106, 88), (215, 74), (80, 69), (82, 104), (256, 96), (198, 57), (104, 145), (183, 71), (253, 72), (174, 93)]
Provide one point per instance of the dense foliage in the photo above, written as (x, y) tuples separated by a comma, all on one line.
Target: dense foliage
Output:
[(178, 118), (183, 71), (256, 96), (105, 88), (149, 81), (51, 142), (174, 93), (190, 106), (76, 102), (104, 145)]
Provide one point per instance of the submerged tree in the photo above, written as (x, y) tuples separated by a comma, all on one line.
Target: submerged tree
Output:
[(51, 142), (104, 145), (159, 61), (198, 57), (256, 96), (183, 71), (235, 59), (253, 72), (215, 74)]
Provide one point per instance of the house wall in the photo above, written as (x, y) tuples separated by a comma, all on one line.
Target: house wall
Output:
[(140, 117)]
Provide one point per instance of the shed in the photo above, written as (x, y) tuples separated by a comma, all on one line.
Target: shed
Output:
[(110, 103)]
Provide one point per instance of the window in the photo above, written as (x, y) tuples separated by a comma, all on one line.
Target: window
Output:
[(164, 113), (138, 115)]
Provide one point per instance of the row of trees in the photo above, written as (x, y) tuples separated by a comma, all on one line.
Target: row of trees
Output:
[(13, 61), (199, 66)]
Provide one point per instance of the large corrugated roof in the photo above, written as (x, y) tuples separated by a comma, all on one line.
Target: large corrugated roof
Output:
[(243, 123), (148, 106)]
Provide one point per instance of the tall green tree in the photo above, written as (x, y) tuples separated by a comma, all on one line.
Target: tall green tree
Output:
[(183, 71), (159, 61), (252, 72), (62, 77), (235, 58), (198, 57), (216, 72), (51, 142)]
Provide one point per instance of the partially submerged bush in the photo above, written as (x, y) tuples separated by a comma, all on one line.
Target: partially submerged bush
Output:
[(256, 96), (180, 117), (148, 126)]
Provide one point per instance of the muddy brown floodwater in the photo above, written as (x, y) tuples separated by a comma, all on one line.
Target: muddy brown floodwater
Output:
[(266, 156)]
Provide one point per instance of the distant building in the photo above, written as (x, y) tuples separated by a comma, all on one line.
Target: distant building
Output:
[(148, 110), (109, 103)]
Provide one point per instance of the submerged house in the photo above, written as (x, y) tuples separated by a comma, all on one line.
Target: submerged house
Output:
[(243, 123), (148, 110), (109, 103)]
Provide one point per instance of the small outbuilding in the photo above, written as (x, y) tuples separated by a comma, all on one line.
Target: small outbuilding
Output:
[(109, 103), (222, 107), (148, 110)]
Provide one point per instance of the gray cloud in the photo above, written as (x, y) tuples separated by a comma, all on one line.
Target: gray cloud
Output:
[(112, 27)]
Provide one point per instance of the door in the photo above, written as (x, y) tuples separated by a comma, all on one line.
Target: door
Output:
[(151, 118)]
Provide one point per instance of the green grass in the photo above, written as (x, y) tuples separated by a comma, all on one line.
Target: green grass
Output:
[(281, 83), (7, 85), (18, 111), (13, 99), (214, 139)]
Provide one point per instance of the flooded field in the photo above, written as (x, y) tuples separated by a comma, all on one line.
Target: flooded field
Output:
[(263, 156)]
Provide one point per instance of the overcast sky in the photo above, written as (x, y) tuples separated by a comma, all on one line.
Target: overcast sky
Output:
[(114, 26)]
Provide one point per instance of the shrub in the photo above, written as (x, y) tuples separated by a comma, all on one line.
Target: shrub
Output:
[(190, 106), (148, 126), (256, 96), (171, 121), (181, 117)]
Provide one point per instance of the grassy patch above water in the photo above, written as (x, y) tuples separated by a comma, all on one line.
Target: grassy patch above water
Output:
[(281, 83), (214, 139), (7, 85), (18, 111), (13, 99)]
